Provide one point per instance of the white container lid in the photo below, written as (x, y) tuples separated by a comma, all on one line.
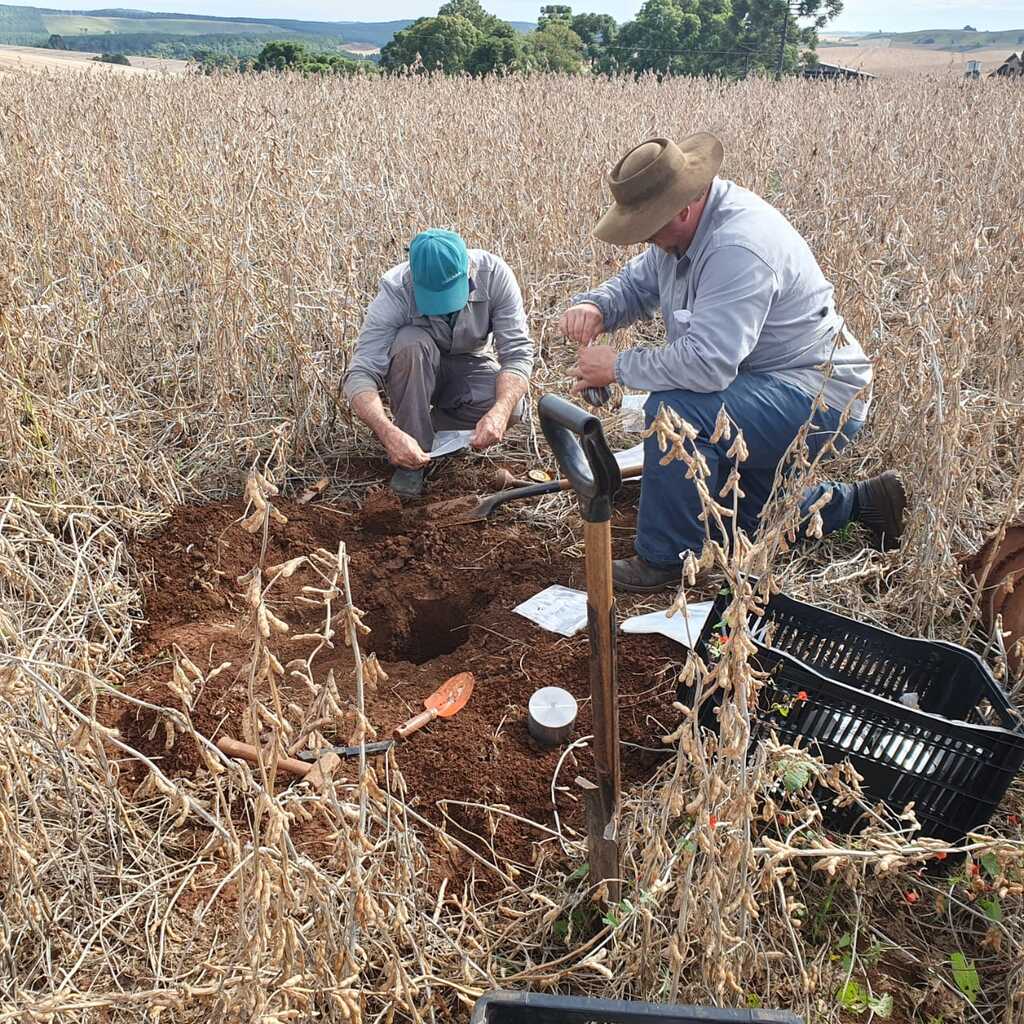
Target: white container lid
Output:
[(552, 707)]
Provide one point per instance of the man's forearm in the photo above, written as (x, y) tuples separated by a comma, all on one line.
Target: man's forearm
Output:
[(370, 409), (509, 389), (630, 295)]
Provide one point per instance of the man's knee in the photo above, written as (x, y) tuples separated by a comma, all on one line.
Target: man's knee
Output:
[(698, 408), (413, 345)]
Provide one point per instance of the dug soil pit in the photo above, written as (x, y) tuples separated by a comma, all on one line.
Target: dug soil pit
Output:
[(438, 600)]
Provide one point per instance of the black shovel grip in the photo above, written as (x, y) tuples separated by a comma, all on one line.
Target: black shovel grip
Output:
[(584, 458)]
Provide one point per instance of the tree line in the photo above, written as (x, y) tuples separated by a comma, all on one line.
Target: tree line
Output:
[(182, 47), (730, 38), (281, 55), (727, 38)]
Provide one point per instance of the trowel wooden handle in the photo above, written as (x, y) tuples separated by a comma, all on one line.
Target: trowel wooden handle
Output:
[(417, 722), (245, 752), (503, 480)]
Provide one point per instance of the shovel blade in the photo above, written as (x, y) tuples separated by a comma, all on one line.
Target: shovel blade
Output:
[(451, 696), (466, 509)]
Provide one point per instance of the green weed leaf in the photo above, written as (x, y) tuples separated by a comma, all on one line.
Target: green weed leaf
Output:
[(795, 776), (993, 909), (965, 976), (882, 1005), (852, 997)]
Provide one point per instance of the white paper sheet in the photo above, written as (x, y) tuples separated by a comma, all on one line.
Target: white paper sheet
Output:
[(448, 441), (675, 628), (557, 609), (631, 456), (633, 412)]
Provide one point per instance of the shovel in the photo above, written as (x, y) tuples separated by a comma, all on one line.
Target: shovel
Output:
[(583, 455), (449, 699), (474, 509)]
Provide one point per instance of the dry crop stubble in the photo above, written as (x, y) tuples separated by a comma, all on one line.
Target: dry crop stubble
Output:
[(186, 266)]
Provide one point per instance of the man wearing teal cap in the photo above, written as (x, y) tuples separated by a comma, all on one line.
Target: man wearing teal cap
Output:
[(446, 339)]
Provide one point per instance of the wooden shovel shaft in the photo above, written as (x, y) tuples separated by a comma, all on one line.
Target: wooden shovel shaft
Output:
[(245, 752), (416, 723), (604, 686)]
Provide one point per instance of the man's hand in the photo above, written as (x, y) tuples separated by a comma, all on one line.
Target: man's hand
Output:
[(595, 367), (490, 429), (582, 323), (404, 450)]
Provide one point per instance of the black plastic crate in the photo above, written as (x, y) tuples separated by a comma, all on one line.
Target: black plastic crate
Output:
[(953, 756), (540, 1008)]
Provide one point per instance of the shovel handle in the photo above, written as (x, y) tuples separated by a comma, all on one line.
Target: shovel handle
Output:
[(582, 454), (245, 752), (416, 723)]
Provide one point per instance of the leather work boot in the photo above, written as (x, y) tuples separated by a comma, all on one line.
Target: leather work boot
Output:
[(407, 483), (640, 577), (881, 503)]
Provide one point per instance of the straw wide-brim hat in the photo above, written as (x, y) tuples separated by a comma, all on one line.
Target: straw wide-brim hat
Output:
[(654, 181)]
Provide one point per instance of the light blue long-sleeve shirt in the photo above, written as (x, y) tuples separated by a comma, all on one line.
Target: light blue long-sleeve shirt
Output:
[(747, 296)]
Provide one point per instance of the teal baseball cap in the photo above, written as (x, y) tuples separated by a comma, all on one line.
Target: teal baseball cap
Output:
[(440, 272)]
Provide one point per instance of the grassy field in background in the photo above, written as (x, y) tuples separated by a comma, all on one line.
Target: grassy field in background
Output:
[(22, 59), (75, 24), (892, 61)]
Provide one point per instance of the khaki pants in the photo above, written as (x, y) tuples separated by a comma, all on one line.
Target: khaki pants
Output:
[(430, 391)]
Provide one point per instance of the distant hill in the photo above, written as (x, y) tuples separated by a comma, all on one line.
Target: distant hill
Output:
[(179, 35), (954, 40)]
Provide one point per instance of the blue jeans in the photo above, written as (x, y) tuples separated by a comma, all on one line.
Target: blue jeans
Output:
[(770, 412)]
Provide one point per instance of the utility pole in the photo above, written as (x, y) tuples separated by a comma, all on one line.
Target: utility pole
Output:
[(782, 43)]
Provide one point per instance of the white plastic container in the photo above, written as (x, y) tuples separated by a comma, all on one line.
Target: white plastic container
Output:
[(552, 715)]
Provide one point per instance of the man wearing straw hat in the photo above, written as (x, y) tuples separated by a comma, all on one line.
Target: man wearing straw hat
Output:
[(750, 324), (446, 338)]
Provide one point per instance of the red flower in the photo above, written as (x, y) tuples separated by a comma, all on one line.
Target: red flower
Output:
[(941, 855), (911, 896), (802, 695), (1013, 819), (712, 821), (975, 870)]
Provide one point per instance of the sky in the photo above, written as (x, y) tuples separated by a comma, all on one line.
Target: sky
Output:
[(857, 16)]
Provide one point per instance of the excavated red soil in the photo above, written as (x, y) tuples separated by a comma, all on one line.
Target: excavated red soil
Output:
[(439, 600)]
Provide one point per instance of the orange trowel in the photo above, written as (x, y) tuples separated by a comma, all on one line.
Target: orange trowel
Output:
[(448, 700)]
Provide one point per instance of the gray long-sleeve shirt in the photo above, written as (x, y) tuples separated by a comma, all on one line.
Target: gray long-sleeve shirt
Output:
[(747, 296), (492, 322)]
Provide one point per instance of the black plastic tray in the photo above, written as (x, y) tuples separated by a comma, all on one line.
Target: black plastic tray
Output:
[(954, 756), (540, 1008)]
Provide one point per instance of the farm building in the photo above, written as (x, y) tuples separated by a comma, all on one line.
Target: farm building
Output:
[(973, 69), (1012, 67), (822, 70)]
